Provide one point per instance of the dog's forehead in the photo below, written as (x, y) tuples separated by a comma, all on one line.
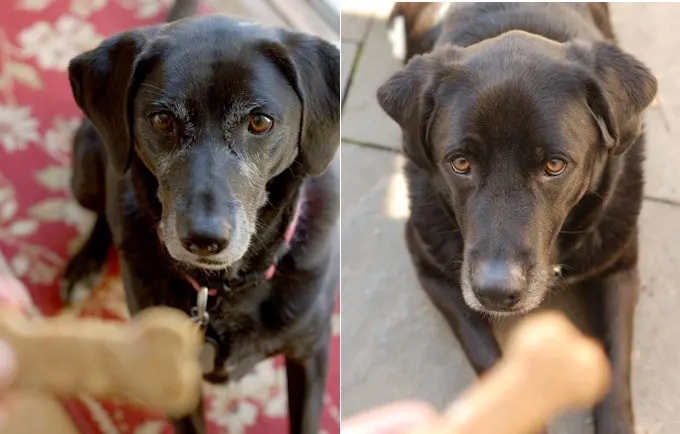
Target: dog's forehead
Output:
[(515, 120), (520, 87), (220, 60)]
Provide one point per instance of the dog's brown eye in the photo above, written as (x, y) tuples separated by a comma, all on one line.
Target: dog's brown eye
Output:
[(260, 124), (460, 165), (163, 122), (555, 167)]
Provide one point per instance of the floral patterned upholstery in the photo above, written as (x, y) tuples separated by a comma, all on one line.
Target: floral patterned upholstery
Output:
[(40, 223)]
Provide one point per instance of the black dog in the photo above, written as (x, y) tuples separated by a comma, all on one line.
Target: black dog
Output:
[(522, 128), (207, 137)]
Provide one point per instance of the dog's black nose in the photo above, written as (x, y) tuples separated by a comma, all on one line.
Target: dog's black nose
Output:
[(204, 246), (203, 237), (498, 285)]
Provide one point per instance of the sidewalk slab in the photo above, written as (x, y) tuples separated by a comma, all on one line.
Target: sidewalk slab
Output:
[(662, 128), (650, 32), (645, 31), (354, 26), (348, 53), (363, 119), (395, 344)]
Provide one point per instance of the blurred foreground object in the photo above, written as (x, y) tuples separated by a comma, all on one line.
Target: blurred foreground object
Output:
[(152, 361), (548, 369)]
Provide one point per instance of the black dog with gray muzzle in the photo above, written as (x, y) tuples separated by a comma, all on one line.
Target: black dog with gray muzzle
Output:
[(204, 138)]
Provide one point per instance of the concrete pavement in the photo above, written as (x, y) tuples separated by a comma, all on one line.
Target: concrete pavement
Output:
[(395, 345)]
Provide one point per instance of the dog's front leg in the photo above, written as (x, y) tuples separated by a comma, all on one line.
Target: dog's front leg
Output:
[(473, 332), (306, 378), (612, 300)]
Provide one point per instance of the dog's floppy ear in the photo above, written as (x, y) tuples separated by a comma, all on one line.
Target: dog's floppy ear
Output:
[(620, 89), (313, 67), (101, 82), (408, 98)]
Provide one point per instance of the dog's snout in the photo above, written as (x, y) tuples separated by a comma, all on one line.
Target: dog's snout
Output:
[(498, 285), (204, 238)]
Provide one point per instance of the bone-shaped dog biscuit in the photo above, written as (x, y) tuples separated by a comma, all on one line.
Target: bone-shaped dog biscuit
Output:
[(152, 361), (549, 368)]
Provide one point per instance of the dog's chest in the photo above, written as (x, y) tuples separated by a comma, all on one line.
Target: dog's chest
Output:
[(245, 341), (246, 353)]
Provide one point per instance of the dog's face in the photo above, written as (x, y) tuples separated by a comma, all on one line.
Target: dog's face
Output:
[(214, 130), (514, 131), (215, 109)]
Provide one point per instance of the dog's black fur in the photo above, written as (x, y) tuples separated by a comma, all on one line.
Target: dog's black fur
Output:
[(211, 197), (506, 94)]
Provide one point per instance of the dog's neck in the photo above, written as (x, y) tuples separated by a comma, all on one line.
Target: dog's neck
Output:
[(274, 219)]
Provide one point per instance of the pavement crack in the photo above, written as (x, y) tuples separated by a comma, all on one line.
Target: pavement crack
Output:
[(662, 113), (663, 200), (355, 63), (371, 145)]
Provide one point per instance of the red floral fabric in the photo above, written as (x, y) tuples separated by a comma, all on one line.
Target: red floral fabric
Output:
[(40, 223)]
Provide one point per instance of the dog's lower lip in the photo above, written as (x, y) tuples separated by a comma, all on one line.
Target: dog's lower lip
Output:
[(507, 313)]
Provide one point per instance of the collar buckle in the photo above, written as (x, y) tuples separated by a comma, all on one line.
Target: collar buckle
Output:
[(557, 271), (199, 313)]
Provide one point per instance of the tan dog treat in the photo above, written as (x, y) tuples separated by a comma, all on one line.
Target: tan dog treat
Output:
[(152, 361), (549, 368)]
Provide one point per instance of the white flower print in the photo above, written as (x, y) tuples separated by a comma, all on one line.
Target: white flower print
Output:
[(264, 383), (63, 210), (42, 273), (85, 8), (152, 427), (55, 178), (8, 202), (23, 228), (236, 405), (58, 139), (17, 128), (239, 416), (20, 265), (146, 8), (54, 45), (277, 406), (33, 5)]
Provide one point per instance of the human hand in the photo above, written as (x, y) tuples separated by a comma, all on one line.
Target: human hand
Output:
[(394, 418)]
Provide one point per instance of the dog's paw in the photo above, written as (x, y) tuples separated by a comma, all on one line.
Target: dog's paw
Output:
[(81, 275)]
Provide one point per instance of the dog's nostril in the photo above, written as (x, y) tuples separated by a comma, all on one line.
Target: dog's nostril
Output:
[(511, 300), (497, 298), (214, 248), (203, 246), (191, 247)]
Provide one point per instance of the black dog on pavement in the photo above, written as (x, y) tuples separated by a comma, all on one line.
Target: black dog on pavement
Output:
[(522, 124)]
